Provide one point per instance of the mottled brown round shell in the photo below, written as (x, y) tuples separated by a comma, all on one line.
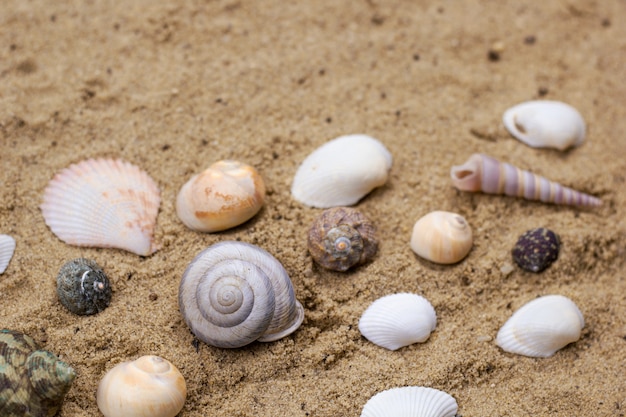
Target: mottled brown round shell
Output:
[(33, 382), (341, 238)]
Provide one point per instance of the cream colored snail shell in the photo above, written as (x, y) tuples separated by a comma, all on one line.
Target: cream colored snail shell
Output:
[(442, 237), (146, 387), (341, 238), (234, 293), (225, 195)]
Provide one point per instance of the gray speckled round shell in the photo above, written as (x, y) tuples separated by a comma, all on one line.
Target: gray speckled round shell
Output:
[(33, 382), (83, 288)]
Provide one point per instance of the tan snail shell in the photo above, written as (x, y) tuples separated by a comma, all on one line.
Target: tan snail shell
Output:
[(442, 237), (146, 387), (225, 195), (234, 293), (341, 238), (484, 173)]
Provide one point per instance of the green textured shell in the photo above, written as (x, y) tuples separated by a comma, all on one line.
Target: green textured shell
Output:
[(33, 382)]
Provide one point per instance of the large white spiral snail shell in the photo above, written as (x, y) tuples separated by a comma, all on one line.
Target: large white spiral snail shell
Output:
[(484, 173), (234, 293)]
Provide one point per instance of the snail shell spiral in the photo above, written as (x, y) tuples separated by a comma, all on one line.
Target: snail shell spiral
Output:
[(234, 293), (484, 173), (341, 238), (83, 288)]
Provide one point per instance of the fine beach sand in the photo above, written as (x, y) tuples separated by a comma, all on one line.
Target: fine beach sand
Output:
[(174, 86)]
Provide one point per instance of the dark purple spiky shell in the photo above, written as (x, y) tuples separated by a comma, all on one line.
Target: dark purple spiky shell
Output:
[(536, 249)]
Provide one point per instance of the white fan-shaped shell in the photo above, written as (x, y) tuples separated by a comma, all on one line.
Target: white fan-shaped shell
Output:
[(442, 237), (146, 387), (106, 203), (545, 124), (541, 327), (341, 172), (411, 402), (7, 247), (398, 320)]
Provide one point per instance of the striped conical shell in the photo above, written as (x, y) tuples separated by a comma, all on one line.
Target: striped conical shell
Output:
[(106, 203), (411, 402), (484, 173)]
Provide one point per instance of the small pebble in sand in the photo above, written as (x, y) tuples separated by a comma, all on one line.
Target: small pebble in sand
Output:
[(536, 249)]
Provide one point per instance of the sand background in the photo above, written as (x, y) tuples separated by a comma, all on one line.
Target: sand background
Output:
[(174, 86)]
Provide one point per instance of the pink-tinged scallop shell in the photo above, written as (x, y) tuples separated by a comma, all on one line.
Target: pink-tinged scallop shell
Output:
[(411, 402), (7, 247), (484, 173), (105, 203)]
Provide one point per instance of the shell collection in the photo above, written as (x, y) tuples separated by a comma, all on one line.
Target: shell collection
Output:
[(225, 195), (398, 320), (341, 172), (342, 237), (83, 287), (410, 402), (33, 382), (7, 247), (442, 237), (536, 249), (484, 173), (545, 124), (104, 203), (234, 293), (149, 386), (541, 327)]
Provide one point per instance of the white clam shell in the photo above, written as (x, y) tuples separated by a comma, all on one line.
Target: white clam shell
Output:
[(442, 237), (234, 293), (398, 320), (106, 203), (545, 124), (341, 172), (225, 195), (149, 386), (411, 402), (541, 327), (7, 247)]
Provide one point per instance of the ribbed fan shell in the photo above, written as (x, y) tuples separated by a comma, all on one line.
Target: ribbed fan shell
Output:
[(541, 327), (410, 402), (7, 247), (103, 203), (398, 320), (341, 172)]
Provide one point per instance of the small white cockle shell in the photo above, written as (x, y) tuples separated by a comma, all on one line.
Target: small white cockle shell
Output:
[(146, 387), (7, 247), (545, 124), (541, 327), (341, 172), (442, 237), (104, 203), (398, 320), (411, 402), (225, 195)]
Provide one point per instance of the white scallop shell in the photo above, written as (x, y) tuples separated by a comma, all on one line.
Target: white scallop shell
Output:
[(411, 402), (149, 386), (398, 320), (341, 172), (541, 327), (545, 124), (442, 237), (7, 247), (104, 203)]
